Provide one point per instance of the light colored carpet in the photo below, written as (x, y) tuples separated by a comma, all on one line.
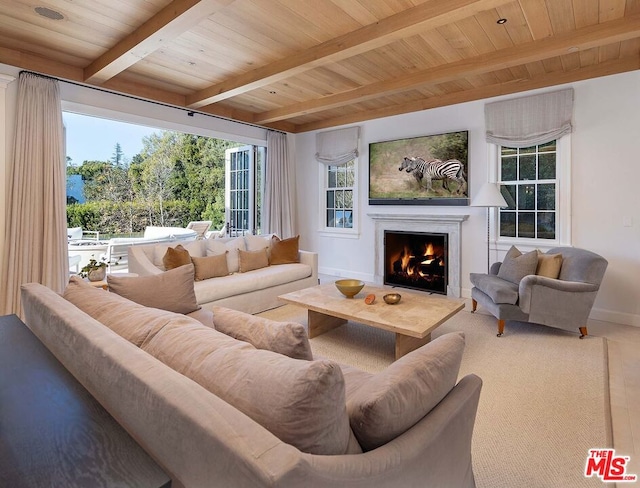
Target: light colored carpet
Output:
[(544, 400)]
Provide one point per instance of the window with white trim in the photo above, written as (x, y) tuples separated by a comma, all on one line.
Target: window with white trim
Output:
[(535, 182), (339, 192)]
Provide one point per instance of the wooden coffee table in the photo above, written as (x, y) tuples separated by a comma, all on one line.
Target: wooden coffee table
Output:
[(412, 320)]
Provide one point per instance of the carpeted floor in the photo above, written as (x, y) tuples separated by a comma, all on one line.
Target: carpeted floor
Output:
[(544, 401)]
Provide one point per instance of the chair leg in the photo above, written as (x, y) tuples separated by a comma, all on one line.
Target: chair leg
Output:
[(474, 305), (583, 332), (500, 327)]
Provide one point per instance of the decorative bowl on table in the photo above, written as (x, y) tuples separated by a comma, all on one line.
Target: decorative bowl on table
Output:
[(349, 288), (392, 298)]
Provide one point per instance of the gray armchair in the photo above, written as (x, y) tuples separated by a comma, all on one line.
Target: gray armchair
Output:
[(564, 302)]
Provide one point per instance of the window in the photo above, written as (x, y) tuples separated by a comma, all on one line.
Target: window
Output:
[(244, 189), (339, 196), (529, 179)]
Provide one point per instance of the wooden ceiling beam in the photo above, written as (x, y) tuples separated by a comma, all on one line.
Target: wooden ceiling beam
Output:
[(607, 68), (424, 17), (585, 38), (172, 21)]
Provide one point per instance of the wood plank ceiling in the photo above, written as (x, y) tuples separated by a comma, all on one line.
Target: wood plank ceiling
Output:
[(299, 65)]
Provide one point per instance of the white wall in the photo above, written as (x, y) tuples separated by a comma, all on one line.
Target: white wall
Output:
[(605, 176)]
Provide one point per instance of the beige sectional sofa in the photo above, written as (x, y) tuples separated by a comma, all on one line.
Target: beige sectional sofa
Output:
[(253, 291), (216, 411)]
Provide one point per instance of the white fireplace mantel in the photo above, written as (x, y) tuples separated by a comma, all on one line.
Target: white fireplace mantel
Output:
[(445, 224)]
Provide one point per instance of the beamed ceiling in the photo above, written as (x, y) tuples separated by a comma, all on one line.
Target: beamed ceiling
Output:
[(299, 65)]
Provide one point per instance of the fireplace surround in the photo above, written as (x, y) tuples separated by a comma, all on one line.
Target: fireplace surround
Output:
[(442, 224)]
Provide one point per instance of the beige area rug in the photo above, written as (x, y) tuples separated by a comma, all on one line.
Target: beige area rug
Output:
[(544, 400)]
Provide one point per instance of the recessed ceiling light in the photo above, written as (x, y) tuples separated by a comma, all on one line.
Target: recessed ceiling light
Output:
[(501, 21), (48, 13)]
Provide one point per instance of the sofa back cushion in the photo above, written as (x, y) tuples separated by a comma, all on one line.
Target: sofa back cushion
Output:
[(288, 338), (392, 401), (130, 320), (300, 402), (172, 290)]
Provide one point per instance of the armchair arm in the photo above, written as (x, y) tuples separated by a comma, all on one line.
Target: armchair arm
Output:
[(564, 292)]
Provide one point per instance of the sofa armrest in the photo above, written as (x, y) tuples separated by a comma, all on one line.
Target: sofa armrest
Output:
[(311, 259), (139, 263), (564, 291)]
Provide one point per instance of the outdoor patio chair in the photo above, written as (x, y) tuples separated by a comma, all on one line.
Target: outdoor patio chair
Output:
[(200, 226)]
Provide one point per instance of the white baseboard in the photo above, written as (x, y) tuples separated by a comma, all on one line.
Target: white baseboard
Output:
[(615, 317), (341, 273)]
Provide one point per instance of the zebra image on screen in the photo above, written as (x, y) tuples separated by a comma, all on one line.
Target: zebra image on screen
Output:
[(435, 169)]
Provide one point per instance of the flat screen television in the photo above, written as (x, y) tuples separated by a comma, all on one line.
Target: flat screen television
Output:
[(426, 170)]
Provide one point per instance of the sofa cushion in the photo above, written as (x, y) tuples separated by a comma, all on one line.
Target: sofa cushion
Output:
[(500, 291), (259, 279), (172, 290), (516, 265), (392, 401), (174, 257), (130, 320), (220, 246), (256, 243), (300, 402), (549, 265), (210, 267), (250, 260), (288, 338), (284, 251)]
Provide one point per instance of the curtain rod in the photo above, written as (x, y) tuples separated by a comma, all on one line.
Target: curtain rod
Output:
[(190, 112)]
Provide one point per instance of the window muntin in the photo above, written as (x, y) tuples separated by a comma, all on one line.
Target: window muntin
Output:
[(339, 201), (529, 184)]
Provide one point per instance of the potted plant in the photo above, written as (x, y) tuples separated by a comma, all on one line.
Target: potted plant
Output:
[(94, 270)]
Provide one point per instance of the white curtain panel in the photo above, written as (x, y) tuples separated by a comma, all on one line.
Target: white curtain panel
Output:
[(528, 121), (279, 209), (337, 147), (36, 227)]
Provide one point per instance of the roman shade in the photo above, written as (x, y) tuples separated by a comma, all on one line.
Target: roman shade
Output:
[(528, 121), (337, 147)]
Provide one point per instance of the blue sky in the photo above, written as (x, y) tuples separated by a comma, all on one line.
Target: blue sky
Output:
[(93, 138)]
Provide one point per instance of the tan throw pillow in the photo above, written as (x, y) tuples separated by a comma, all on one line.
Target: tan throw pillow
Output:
[(136, 323), (549, 265), (300, 402), (250, 260), (171, 290), (516, 265), (392, 401), (210, 267), (176, 257), (284, 251), (288, 338), (233, 246)]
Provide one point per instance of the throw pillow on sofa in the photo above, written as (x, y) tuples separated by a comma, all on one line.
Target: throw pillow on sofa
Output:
[(288, 338), (284, 251), (210, 267), (231, 247), (172, 290), (549, 265), (175, 257), (300, 402), (394, 400), (250, 260), (516, 265)]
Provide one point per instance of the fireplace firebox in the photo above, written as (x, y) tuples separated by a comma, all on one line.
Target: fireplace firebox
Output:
[(416, 260)]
